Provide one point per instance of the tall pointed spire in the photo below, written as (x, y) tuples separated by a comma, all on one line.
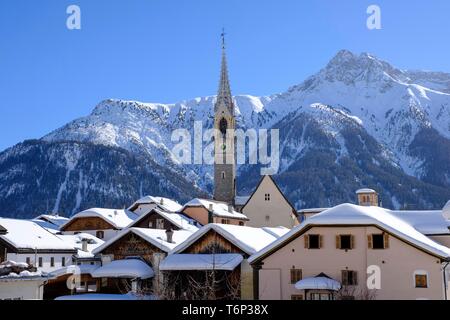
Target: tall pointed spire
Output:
[(224, 94)]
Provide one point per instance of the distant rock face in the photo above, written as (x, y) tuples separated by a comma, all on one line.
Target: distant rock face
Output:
[(357, 122)]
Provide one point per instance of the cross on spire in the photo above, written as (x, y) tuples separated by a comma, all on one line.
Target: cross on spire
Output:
[(223, 38)]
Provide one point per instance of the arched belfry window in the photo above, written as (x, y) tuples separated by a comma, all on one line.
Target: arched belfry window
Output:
[(223, 125)]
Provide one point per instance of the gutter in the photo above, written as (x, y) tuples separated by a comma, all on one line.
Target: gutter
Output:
[(445, 279)]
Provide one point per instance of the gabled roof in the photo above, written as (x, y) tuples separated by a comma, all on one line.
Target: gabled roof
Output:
[(350, 214), (156, 237), (56, 220), (118, 218), (76, 241), (27, 235), (248, 239), (177, 219), (219, 209), (276, 185), (163, 203)]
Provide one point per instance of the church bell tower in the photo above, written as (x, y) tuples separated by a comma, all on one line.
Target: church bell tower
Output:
[(224, 142)]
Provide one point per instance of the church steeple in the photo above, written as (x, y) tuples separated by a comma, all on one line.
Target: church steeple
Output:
[(224, 96), (224, 147)]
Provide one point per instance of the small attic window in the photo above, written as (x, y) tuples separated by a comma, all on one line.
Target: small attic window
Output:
[(267, 197)]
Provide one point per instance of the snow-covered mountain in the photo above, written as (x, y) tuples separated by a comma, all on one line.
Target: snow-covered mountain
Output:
[(359, 119)]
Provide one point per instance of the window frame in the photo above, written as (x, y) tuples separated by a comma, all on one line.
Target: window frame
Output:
[(307, 240), (424, 274), (296, 275), (339, 241)]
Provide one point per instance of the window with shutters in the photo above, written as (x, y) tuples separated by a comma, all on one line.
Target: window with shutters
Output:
[(345, 241), (421, 279), (313, 241), (378, 241), (349, 278), (296, 275)]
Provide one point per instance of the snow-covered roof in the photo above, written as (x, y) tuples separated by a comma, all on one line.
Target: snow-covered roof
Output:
[(75, 240), (74, 269), (118, 218), (127, 268), (219, 209), (178, 219), (428, 222), (56, 219), (350, 214), (156, 237), (17, 270), (365, 190), (224, 261), (27, 235), (248, 239), (241, 200), (318, 283), (164, 203), (50, 227)]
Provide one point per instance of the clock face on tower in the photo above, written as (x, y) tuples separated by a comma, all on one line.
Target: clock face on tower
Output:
[(223, 125)]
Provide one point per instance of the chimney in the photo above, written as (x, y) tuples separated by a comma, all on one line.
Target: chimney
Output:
[(230, 208), (161, 202), (169, 235), (367, 197), (211, 208), (84, 244)]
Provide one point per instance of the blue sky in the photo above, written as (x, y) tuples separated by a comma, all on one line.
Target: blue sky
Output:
[(169, 50)]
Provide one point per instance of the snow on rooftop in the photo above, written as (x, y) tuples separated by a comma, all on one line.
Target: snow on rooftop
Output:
[(428, 222), (178, 219), (75, 240), (220, 209), (118, 218), (365, 190), (248, 239), (318, 283), (74, 269), (156, 237), (165, 203), (56, 219), (127, 268), (350, 214), (50, 227), (25, 234), (224, 261)]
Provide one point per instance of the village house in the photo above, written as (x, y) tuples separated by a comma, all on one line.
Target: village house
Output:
[(221, 251), (149, 246), (145, 204), (100, 222), (20, 281), (156, 218), (27, 242), (329, 256), (268, 206), (210, 211)]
